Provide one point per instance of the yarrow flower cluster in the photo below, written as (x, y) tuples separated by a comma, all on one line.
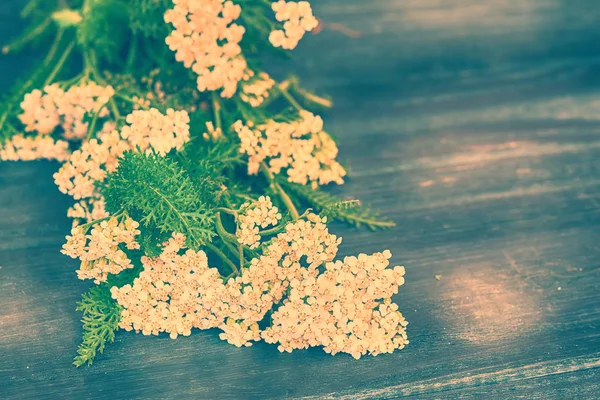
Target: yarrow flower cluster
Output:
[(301, 147), (99, 250), (147, 130), (346, 308), (256, 216), (256, 90), (174, 293), (45, 110), (90, 164), (152, 130), (21, 148), (297, 18), (206, 39)]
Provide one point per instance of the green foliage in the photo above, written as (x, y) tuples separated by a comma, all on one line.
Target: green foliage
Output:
[(161, 195), (146, 18), (350, 212), (104, 27), (101, 316)]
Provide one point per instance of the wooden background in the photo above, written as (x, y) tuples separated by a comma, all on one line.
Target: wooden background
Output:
[(476, 126)]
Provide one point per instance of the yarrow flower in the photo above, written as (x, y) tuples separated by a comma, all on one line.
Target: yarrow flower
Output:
[(90, 164), (256, 90), (344, 307), (347, 308), (206, 39), (174, 293), (147, 130), (21, 148), (45, 110), (99, 250), (256, 216), (152, 130), (301, 147), (297, 18)]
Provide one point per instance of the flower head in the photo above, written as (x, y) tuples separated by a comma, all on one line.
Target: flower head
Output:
[(300, 147), (297, 19), (99, 250), (206, 39)]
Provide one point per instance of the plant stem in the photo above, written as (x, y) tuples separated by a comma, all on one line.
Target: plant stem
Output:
[(293, 83), (60, 63), (289, 97), (223, 257), (287, 201), (130, 100), (223, 232), (28, 37), (241, 248), (217, 113), (132, 53), (227, 211), (92, 126), (54, 47)]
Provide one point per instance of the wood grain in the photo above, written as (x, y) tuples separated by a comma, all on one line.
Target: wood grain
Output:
[(475, 125)]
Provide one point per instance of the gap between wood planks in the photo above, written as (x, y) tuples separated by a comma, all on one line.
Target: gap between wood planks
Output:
[(460, 381)]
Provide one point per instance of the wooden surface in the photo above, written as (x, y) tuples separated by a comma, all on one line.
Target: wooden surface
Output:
[(476, 126)]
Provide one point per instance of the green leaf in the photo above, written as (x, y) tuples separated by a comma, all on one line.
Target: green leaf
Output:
[(350, 212), (101, 315), (158, 193)]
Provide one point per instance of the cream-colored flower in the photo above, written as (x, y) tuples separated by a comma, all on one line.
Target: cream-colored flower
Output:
[(21, 148), (256, 90), (256, 216), (347, 309), (47, 109), (206, 39), (98, 250), (150, 129), (300, 147), (297, 19), (175, 292)]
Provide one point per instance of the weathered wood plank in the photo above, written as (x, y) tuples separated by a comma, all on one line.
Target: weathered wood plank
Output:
[(475, 126)]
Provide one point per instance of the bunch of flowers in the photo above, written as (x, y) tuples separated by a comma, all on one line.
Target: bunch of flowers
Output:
[(197, 178), (301, 147)]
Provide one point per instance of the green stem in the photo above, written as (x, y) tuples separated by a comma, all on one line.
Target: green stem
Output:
[(272, 231), (54, 47), (114, 109), (28, 37), (294, 85), (59, 65), (284, 92), (97, 221), (287, 201), (132, 53), (29, 7), (92, 126), (130, 100), (241, 248), (232, 249), (227, 211), (223, 232), (223, 257), (217, 112)]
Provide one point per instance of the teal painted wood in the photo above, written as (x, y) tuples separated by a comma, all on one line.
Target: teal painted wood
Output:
[(475, 125)]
